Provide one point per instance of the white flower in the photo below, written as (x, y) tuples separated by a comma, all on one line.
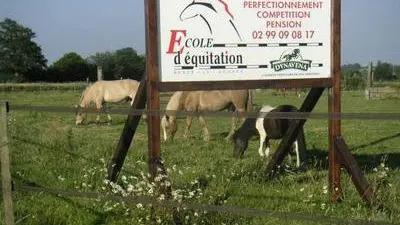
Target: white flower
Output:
[(61, 178), (139, 206), (123, 178), (130, 188), (302, 189)]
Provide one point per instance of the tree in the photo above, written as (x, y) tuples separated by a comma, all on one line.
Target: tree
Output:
[(70, 67), (107, 61), (129, 63), (384, 71), (125, 63), (19, 55)]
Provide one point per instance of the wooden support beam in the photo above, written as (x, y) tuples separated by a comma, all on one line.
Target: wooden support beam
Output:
[(153, 94), (350, 163), (128, 132), (334, 106), (290, 136)]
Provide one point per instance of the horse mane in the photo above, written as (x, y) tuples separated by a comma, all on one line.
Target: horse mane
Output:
[(247, 129), (87, 89), (176, 102)]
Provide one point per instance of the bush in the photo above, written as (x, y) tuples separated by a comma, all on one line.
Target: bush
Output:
[(353, 83)]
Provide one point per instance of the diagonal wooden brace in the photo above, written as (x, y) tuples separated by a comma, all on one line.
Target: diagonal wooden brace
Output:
[(128, 132), (291, 134), (351, 165)]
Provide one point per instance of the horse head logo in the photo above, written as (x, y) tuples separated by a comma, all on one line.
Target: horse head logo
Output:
[(215, 14), (295, 54)]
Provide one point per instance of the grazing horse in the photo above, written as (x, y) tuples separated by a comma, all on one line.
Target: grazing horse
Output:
[(268, 129), (239, 100), (106, 91)]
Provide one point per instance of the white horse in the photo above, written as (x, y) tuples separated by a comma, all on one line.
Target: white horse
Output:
[(106, 91), (268, 129), (216, 15)]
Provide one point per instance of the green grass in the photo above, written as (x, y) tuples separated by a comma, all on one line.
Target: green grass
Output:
[(48, 150)]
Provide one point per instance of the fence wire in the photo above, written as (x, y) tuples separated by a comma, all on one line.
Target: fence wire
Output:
[(248, 212), (182, 113)]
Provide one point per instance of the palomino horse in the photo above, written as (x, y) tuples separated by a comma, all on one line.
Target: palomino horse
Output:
[(241, 100), (268, 129), (106, 91)]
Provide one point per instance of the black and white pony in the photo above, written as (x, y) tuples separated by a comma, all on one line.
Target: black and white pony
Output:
[(268, 129)]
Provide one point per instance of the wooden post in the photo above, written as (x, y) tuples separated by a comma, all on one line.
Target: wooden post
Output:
[(5, 167), (153, 94), (128, 132), (99, 73), (334, 106), (368, 82)]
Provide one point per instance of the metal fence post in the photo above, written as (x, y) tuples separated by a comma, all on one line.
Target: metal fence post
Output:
[(5, 167)]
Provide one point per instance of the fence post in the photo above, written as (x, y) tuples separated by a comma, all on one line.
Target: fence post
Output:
[(368, 82), (99, 73), (5, 167)]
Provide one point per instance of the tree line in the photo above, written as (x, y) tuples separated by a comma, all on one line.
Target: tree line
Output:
[(22, 60)]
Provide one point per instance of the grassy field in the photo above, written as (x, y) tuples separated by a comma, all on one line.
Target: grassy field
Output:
[(48, 150)]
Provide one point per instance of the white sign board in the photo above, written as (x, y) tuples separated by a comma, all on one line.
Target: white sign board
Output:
[(217, 40)]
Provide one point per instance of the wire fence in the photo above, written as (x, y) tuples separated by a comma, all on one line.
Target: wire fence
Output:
[(246, 212), (183, 113)]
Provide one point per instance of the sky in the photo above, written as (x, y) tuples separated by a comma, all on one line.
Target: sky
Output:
[(370, 28)]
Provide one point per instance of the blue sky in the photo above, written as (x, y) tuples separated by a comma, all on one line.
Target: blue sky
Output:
[(370, 28)]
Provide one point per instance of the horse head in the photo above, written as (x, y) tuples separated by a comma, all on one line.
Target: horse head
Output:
[(240, 145), (169, 127), (80, 117)]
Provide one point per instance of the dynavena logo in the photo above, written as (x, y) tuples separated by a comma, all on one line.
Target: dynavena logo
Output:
[(291, 60)]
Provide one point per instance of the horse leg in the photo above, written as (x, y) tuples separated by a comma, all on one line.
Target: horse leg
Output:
[(296, 149), (188, 124), (267, 150), (232, 131), (206, 133), (106, 109), (99, 107), (263, 136)]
